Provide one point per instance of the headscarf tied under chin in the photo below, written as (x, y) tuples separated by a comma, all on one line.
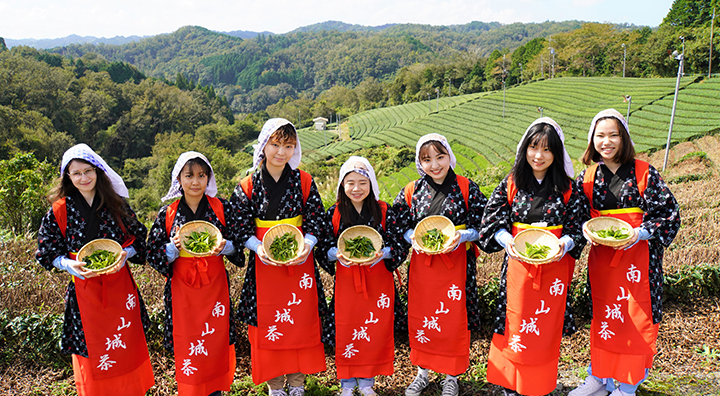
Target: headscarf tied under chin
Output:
[(363, 167), (605, 114), (84, 152), (268, 129), (567, 162), (428, 138), (175, 191)]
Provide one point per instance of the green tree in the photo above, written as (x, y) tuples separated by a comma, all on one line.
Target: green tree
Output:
[(690, 13), (23, 186), (3, 47)]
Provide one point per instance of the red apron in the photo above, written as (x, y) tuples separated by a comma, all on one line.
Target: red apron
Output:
[(287, 300), (200, 309), (364, 317), (110, 312), (201, 328), (622, 311), (437, 311), (536, 301)]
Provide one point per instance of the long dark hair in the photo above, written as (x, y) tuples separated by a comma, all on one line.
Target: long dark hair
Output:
[(345, 206), (103, 190), (556, 177)]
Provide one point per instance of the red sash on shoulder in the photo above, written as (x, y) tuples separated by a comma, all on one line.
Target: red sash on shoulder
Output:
[(110, 313), (622, 309), (364, 315), (200, 307)]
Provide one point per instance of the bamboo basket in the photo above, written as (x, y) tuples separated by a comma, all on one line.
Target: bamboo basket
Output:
[(100, 244), (357, 231), (537, 236), (279, 230), (442, 223), (199, 226), (602, 223)]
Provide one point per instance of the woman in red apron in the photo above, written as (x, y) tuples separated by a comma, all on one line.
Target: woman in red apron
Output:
[(282, 305), (626, 281), (199, 324), (442, 288), (533, 309), (365, 299), (105, 317)]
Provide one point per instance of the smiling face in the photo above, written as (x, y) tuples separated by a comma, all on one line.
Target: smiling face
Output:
[(278, 153), (83, 176), (357, 187), (539, 156), (435, 163), (193, 181), (607, 140)]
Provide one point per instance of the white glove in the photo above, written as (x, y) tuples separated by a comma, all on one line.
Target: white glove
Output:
[(503, 237), (64, 264), (171, 251)]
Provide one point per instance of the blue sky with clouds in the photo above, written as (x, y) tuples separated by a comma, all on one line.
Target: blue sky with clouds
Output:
[(58, 18)]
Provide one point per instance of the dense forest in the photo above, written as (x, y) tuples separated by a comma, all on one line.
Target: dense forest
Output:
[(141, 104)]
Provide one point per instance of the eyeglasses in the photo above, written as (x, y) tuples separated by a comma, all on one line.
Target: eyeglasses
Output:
[(89, 172)]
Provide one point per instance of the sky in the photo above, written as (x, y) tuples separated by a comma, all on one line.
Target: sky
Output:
[(39, 19)]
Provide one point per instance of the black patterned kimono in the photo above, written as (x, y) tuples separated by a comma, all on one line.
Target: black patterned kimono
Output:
[(288, 204), (84, 224), (392, 236), (661, 217), (536, 206), (453, 207), (157, 256)]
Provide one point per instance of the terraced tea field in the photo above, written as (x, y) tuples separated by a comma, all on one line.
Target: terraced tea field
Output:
[(481, 136)]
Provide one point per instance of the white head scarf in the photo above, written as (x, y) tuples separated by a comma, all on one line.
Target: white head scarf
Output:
[(174, 191), (84, 152), (268, 129), (363, 167), (567, 162), (604, 114), (428, 138)]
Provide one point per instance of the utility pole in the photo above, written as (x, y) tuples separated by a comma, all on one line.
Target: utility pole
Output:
[(712, 25), (429, 103), (552, 52), (542, 69), (624, 53), (437, 104), (681, 58)]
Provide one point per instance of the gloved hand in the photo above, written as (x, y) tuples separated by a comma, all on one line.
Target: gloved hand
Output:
[(172, 252), (228, 249), (332, 254), (408, 236), (503, 237), (642, 235), (73, 267), (385, 255)]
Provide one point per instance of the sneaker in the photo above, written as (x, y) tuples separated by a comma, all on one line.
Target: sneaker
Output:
[(509, 392), (278, 392), (367, 391), (618, 392), (417, 386), (297, 390), (450, 387), (346, 392), (591, 387)]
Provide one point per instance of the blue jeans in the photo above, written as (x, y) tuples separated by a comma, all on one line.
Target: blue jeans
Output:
[(610, 384), (359, 382)]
